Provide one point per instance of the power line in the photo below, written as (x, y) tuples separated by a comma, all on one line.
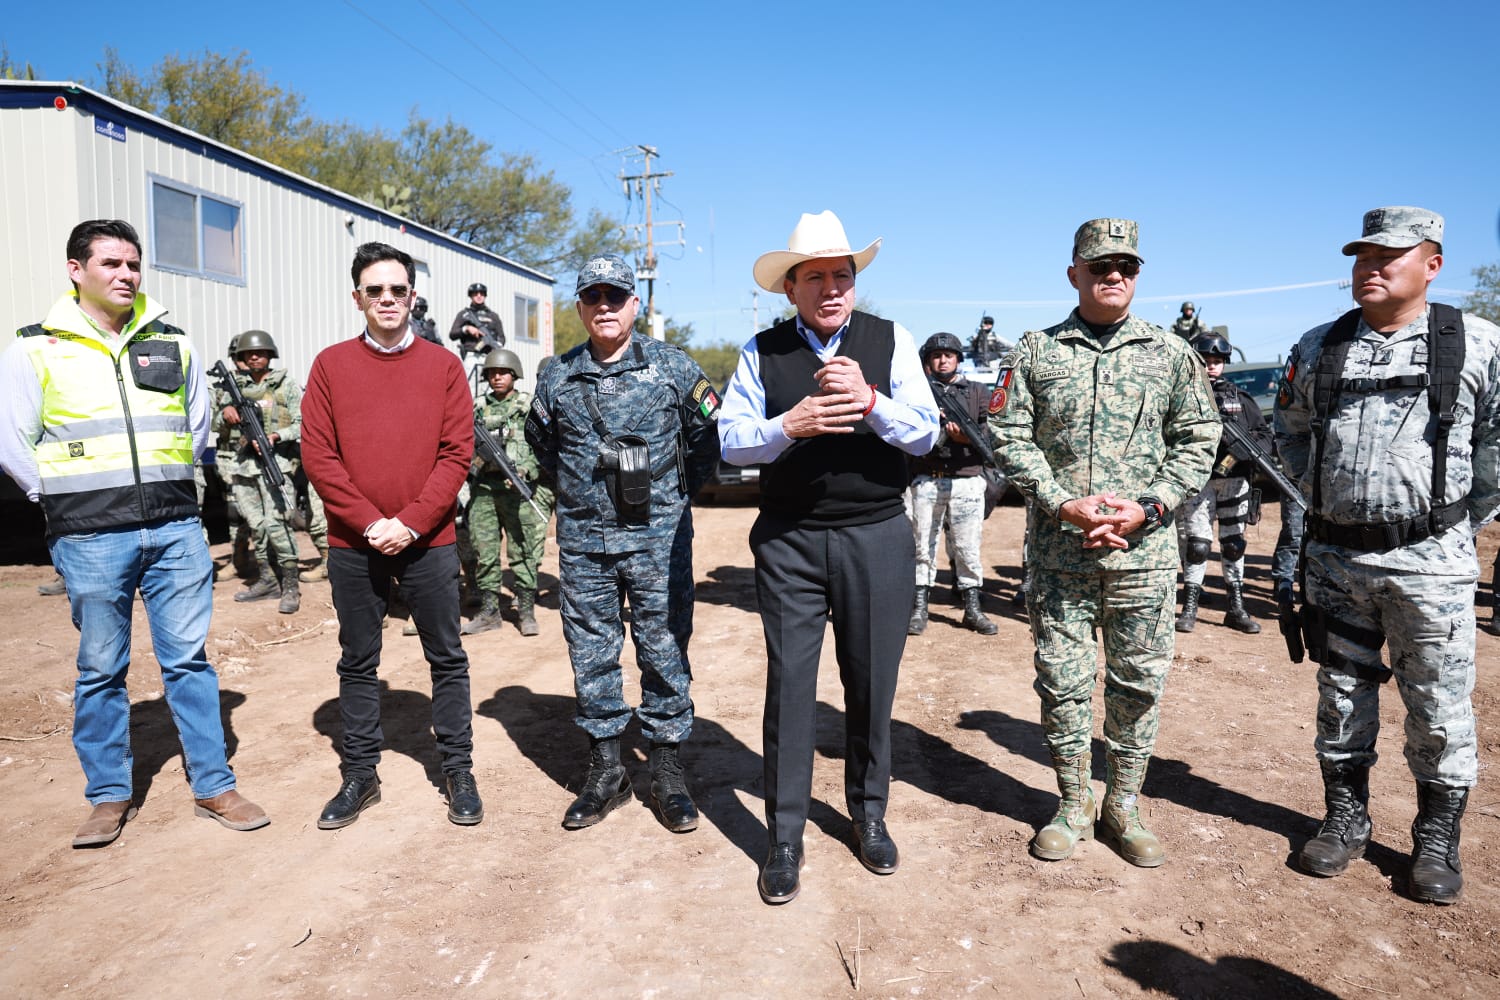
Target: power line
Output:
[(467, 83), (542, 72), (507, 71)]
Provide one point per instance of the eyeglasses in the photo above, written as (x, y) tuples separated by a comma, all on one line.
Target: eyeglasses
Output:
[(616, 297), (1128, 267), (378, 291)]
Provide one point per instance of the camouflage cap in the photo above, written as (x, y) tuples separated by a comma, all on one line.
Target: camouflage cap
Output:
[(1107, 238), (1398, 226), (606, 269)]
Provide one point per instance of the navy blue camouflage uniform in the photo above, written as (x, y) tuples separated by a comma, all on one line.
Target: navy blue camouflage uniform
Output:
[(658, 392)]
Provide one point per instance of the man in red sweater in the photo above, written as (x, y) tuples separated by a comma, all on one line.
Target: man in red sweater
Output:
[(387, 434)]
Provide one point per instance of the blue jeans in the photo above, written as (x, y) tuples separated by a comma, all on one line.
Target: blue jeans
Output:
[(168, 562)]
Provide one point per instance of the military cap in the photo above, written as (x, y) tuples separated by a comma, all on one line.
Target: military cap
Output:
[(1398, 226), (606, 269), (1107, 238)]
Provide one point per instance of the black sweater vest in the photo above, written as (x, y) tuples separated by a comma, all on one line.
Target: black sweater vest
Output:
[(831, 480)]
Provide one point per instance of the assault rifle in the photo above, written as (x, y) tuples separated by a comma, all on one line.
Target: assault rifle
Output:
[(491, 452), (1266, 463), (491, 339), (254, 433), (953, 409)]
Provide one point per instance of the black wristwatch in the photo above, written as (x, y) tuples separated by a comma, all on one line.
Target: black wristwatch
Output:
[(1156, 512)]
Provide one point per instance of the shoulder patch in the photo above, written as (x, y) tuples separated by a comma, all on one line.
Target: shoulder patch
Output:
[(539, 413), (706, 400), (999, 396), (1284, 390)]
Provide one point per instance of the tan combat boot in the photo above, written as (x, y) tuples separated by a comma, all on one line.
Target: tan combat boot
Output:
[(1120, 819), (320, 571), (1075, 813)]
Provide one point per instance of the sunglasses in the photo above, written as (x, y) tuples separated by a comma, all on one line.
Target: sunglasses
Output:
[(616, 297), (378, 291), (1128, 267)]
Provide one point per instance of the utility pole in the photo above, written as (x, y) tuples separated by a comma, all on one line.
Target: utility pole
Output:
[(642, 185)]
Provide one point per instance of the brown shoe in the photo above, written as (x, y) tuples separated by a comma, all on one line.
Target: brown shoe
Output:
[(104, 824), (233, 810)]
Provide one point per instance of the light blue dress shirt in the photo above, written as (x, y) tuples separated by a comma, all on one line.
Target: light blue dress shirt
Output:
[(906, 418)]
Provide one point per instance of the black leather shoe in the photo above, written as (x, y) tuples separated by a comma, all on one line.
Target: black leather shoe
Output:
[(877, 851), (780, 878), (354, 795), (464, 807)]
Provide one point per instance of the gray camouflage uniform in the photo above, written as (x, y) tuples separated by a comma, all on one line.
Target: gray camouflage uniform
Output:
[(658, 392), (1420, 595), (1073, 419)]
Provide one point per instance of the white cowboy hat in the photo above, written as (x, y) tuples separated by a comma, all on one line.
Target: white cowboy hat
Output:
[(820, 235)]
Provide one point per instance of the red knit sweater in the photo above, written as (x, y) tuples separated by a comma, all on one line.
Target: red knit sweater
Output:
[(387, 435)]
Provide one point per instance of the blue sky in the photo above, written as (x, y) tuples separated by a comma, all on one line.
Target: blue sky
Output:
[(1247, 140)]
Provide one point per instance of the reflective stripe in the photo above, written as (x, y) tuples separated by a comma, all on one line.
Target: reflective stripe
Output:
[(79, 429), (113, 479)]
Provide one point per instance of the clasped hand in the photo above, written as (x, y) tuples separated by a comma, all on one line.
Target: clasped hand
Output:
[(1104, 518), (842, 399)]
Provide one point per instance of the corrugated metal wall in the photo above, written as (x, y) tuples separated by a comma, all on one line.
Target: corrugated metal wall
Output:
[(57, 170)]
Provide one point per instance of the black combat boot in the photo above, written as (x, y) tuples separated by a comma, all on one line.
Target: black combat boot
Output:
[(974, 616), (669, 794), (291, 596), (1436, 875), (1237, 617), (1345, 832), (488, 617), (1189, 616), (605, 785), (918, 623), (1493, 625), (266, 586)]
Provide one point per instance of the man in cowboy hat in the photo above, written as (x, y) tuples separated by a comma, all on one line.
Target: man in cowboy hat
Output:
[(832, 401)]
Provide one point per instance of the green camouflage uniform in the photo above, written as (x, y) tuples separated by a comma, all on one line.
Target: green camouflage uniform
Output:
[(1073, 418), (496, 509), (280, 402)]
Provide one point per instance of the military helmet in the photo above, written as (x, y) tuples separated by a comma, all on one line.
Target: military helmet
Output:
[(941, 342), (1213, 345), (234, 345), (478, 289), (419, 306), (1188, 307), (986, 321), (502, 358), (254, 340)]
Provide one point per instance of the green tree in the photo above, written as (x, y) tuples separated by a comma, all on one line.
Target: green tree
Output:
[(10, 70), (1485, 299), (221, 96), (439, 174)]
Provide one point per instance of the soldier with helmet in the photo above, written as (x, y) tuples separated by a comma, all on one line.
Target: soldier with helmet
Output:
[(948, 481), (242, 561), (421, 324), (280, 401), (1189, 325), (1226, 498), (477, 328), (496, 510)]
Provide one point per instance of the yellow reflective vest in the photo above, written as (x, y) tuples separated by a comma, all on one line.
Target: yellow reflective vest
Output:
[(116, 444)]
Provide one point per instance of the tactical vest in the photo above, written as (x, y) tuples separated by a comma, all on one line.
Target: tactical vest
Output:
[(116, 446), (830, 480), (1445, 363)]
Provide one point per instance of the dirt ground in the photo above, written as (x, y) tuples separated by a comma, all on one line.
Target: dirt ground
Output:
[(403, 903)]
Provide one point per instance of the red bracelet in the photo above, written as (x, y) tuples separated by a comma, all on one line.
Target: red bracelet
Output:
[(872, 402)]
